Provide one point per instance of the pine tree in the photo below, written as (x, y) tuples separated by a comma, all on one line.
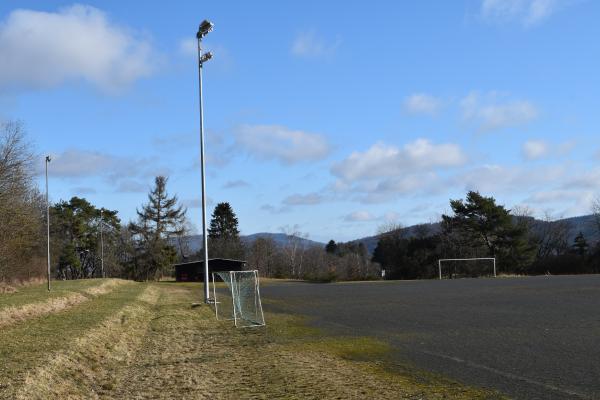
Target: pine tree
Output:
[(162, 215), (331, 247), (224, 234), (158, 220), (224, 223), (481, 223), (580, 245)]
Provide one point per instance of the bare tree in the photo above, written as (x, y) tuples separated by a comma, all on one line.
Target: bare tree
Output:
[(294, 248), (596, 213), (552, 237), (21, 207), (261, 255)]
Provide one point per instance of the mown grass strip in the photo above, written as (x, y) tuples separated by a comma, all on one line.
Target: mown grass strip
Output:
[(14, 314), (38, 293), (90, 360), (24, 347)]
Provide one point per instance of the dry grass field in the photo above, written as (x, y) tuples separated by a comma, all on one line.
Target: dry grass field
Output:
[(109, 339)]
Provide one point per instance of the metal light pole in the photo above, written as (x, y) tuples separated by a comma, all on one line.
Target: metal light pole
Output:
[(203, 30), (48, 159), (101, 246)]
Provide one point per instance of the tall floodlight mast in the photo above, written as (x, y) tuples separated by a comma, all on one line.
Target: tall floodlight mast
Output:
[(203, 30), (48, 159), (102, 244)]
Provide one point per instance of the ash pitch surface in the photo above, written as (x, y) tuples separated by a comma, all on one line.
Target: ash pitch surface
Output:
[(529, 338)]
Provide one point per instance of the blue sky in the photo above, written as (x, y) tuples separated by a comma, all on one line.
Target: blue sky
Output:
[(335, 118)]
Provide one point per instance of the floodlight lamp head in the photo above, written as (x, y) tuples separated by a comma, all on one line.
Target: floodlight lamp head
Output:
[(205, 27), (48, 159), (205, 57)]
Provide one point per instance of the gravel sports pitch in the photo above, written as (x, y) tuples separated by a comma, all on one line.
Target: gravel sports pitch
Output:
[(529, 338)]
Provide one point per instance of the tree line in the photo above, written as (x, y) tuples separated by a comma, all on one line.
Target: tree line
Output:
[(477, 228), (90, 241)]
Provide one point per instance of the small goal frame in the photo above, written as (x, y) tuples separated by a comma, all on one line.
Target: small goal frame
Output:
[(232, 288), (465, 259)]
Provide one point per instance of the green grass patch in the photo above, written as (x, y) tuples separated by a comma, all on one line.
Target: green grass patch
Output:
[(38, 293), (24, 346)]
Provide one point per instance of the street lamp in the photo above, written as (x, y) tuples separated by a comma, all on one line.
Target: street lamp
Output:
[(204, 28), (48, 159), (101, 245)]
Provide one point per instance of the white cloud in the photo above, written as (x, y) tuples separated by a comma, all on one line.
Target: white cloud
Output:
[(82, 190), (488, 114), (275, 210), (45, 49), (274, 142), (527, 12), (535, 149), (509, 179), (388, 161), (188, 47), (552, 196), (235, 184), (588, 179), (197, 202), (359, 216), (75, 163), (124, 173), (309, 44), (303, 199), (131, 186), (421, 103)]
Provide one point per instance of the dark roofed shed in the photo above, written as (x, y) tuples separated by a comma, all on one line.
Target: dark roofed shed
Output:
[(193, 271)]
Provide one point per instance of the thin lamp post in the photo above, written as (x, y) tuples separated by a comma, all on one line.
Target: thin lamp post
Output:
[(48, 159), (204, 28), (101, 245)]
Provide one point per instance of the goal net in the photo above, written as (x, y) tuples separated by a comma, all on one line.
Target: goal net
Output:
[(466, 267), (239, 298)]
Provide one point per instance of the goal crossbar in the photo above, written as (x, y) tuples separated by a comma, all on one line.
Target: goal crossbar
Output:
[(465, 259)]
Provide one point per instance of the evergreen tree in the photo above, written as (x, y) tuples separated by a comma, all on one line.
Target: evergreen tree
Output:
[(580, 245), (162, 216), (331, 247), (478, 220), (223, 233), (76, 238), (224, 223), (158, 220)]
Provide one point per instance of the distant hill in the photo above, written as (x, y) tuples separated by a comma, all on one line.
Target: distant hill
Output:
[(193, 243), (584, 223), (279, 238)]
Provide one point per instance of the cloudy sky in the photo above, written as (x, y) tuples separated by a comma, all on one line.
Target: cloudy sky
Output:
[(335, 117)]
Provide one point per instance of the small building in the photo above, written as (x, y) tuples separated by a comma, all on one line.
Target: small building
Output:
[(193, 271)]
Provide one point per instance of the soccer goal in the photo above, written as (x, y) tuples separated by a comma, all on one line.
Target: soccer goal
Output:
[(453, 260), (240, 300)]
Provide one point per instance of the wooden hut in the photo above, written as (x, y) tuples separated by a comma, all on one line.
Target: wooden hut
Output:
[(193, 271)]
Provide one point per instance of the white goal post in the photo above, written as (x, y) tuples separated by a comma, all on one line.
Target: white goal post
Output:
[(244, 307), (465, 259)]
